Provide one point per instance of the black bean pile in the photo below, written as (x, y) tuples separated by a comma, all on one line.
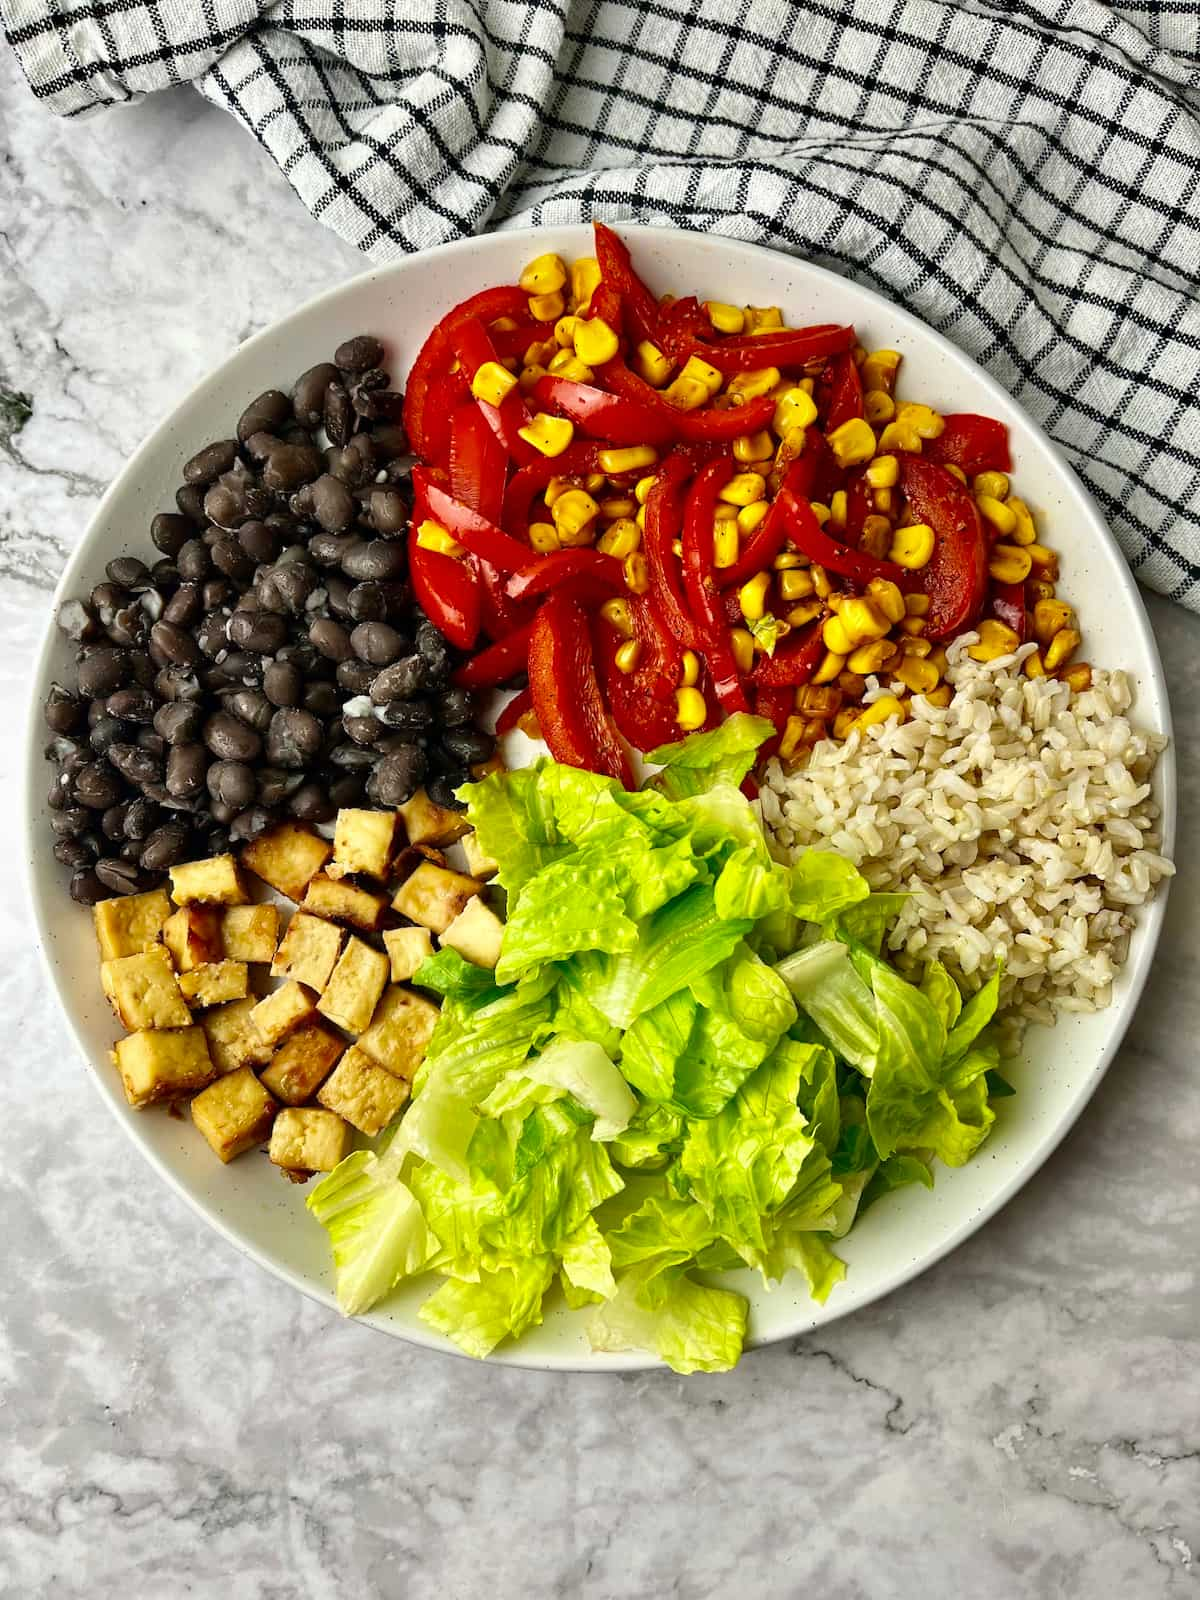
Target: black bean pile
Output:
[(272, 663)]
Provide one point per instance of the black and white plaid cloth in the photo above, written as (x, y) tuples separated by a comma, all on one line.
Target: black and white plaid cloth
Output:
[(1023, 174)]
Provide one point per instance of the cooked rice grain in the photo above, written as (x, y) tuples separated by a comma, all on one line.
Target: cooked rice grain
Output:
[(1019, 819)]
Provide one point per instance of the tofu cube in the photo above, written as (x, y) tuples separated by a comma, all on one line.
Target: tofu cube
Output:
[(308, 952), (476, 933), (433, 896), (479, 864), (213, 984), (163, 1066), (285, 1009), (363, 841), (143, 991), (302, 1063), (234, 1113), (215, 882), (130, 924), (193, 936), (407, 948), (287, 857), (233, 1040), (400, 1031), (307, 1141), (342, 901), (425, 822), (367, 1095), (353, 991), (250, 933)]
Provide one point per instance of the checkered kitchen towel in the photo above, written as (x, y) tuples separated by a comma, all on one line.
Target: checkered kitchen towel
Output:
[(1023, 174)]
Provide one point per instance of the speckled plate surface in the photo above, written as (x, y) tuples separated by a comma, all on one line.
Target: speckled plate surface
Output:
[(248, 1203)]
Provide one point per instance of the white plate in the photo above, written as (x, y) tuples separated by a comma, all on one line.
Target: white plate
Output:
[(248, 1203)]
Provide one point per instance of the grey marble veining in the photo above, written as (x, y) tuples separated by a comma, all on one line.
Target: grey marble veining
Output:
[(1022, 1421)]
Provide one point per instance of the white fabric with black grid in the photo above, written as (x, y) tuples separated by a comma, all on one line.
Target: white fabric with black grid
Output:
[(1023, 176)]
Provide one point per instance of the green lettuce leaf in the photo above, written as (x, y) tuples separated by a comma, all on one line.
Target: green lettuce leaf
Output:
[(375, 1227), (689, 1326), (454, 978), (723, 755), (587, 1262), (574, 904), (825, 985), (823, 884), (501, 1305), (582, 1069), (652, 1138)]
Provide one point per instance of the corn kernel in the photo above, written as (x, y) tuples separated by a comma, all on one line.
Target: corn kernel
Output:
[(540, 351), (1039, 589), (543, 536), (797, 737), (1048, 617), (544, 275), (725, 319), (1046, 561), (926, 422), (528, 377), (883, 472), (753, 385), (546, 307), (815, 702), (996, 512), (724, 513), (900, 435), (887, 597), (585, 280), (594, 482), (940, 697), (616, 507), (628, 654), (878, 370), (916, 605), (753, 447), (910, 646), (916, 675), (1078, 676), (807, 611), (852, 685), (884, 501), (852, 442), (691, 711), (642, 488), (1009, 563), (878, 407), (686, 394), (1024, 532), (912, 547), (821, 581), (913, 627), (796, 410), (844, 722), (837, 639), (432, 536), (627, 459), (879, 712), (689, 669), (760, 318), (821, 512), (831, 664), (1061, 648), (618, 615), (994, 484), (636, 572), (863, 620), (492, 382), (620, 539), (595, 342), (650, 363), (796, 584), (871, 658), (749, 517), (876, 536), (640, 519), (995, 639), (837, 509), (550, 435), (725, 543), (564, 331), (572, 511), (1033, 665), (753, 596), (743, 489), (741, 642), (566, 364), (786, 560), (711, 377)]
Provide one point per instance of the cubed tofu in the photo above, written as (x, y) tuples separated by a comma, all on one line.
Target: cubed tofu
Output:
[(286, 1008), (400, 1031), (302, 1063), (233, 1040), (308, 1140), (234, 1113), (250, 933), (353, 991), (143, 990), (214, 984), (193, 936), (163, 1066), (425, 822), (287, 857), (308, 951), (367, 1095), (214, 882), (407, 948), (131, 923), (479, 863), (476, 933), (343, 901), (433, 896), (363, 840)]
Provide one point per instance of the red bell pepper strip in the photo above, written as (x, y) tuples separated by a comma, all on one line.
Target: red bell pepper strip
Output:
[(563, 566), (692, 426), (473, 347), (514, 711), (481, 537), (788, 348), (794, 662), (955, 578), (477, 470), (426, 413), (664, 519), (606, 304), (578, 459), (607, 416), (570, 708), (844, 396), (1007, 602), (448, 594), (777, 705), (515, 341), (498, 663), (660, 665), (684, 329), (640, 308), (768, 539), (701, 587), (811, 539), (971, 443), (860, 504), (644, 720)]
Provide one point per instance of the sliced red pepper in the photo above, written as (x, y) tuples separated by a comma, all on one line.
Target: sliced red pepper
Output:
[(811, 539), (570, 708), (1007, 602), (514, 711), (515, 341), (684, 329), (644, 720), (955, 578), (426, 411), (664, 522), (498, 663), (606, 304), (660, 665), (768, 539), (971, 443), (700, 583), (576, 461), (692, 426), (788, 348), (843, 392), (860, 504), (473, 347), (477, 470), (481, 537), (448, 594), (794, 661), (777, 705), (607, 416), (640, 308), (564, 566)]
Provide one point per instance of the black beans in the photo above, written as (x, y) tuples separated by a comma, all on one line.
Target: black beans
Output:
[(294, 739), (133, 705), (329, 549), (260, 631), (355, 462), (308, 395), (397, 777), (331, 639), (136, 766), (164, 847), (283, 683), (129, 572), (311, 803), (232, 783), (455, 708), (441, 790), (387, 509), (252, 707), (86, 887), (208, 464), (358, 354), (376, 643), (102, 670), (171, 643), (368, 602), (169, 532), (97, 786), (468, 745), (77, 621), (338, 414), (265, 415), (119, 876), (193, 561), (362, 730), (249, 824), (290, 465), (322, 699), (260, 541), (402, 681), (230, 739), (63, 711), (186, 766), (189, 500), (230, 557), (182, 609), (407, 716), (374, 558)]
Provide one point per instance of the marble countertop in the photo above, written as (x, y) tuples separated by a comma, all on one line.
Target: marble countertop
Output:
[(1024, 1419)]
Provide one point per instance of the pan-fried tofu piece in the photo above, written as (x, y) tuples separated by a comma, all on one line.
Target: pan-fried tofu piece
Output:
[(476, 933), (287, 857), (302, 1063), (479, 863), (307, 1141), (400, 1031), (233, 1040), (363, 841), (342, 901), (407, 948), (433, 896), (214, 882), (193, 936), (250, 933), (213, 984), (143, 991), (353, 991), (425, 822), (234, 1113), (130, 924), (163, 1066), (308, 952), (285, 1009), (367, 1095)]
